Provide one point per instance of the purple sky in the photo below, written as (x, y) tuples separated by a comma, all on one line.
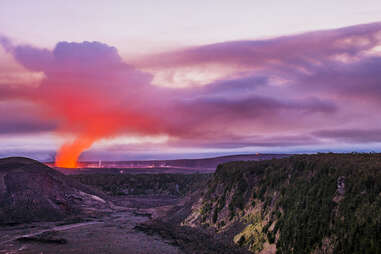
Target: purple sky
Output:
[(206, 85)]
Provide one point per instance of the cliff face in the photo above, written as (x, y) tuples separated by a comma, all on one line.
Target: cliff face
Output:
[(325, 203)]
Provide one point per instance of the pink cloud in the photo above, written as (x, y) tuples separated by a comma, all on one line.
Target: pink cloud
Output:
[(292, 86)]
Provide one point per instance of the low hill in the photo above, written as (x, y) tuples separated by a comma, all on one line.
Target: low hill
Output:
[(31, 191)]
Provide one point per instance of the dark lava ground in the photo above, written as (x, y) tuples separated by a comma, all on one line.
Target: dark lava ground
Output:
[(45, 211), (111, 232)]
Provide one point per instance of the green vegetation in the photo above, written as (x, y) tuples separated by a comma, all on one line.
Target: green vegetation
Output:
[(205, 210), (141, 184), (252, 236), (324, 202)]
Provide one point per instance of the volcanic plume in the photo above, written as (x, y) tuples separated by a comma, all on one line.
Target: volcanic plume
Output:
[(293, 90), (79, 91)]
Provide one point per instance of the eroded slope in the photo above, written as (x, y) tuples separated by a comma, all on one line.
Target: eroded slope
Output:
[(325, 203)]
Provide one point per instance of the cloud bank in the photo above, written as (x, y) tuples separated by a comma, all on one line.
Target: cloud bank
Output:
[(307, 89)]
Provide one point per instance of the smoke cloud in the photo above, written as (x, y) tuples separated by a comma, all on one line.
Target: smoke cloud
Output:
[(293, 90)]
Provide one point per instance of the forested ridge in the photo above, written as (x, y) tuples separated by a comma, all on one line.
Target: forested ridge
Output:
[(323, 203)]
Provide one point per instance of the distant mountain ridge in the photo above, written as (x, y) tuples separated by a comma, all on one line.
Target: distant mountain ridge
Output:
[(212, 162), (202, 163)]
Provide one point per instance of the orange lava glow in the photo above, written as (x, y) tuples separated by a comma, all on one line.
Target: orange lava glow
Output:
[(67, 156), (90, 93), (91, 117)]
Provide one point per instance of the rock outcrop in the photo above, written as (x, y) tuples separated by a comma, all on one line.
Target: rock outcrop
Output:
[(31, 191)]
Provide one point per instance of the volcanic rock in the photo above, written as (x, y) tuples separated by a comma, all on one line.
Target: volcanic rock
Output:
[(31, 191)]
